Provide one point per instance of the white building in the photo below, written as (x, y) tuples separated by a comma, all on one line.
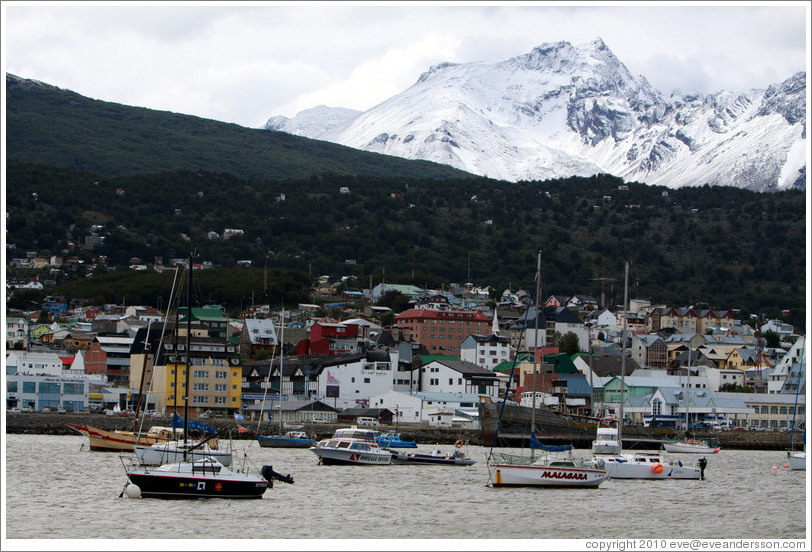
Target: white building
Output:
[(22, 362), (352, 383), (27, 390), (781, 328), (458, 376), (486, 351)]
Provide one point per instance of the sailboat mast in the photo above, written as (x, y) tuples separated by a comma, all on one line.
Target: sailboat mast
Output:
[(188, 359), (535, 350), (623, 355), (281, 357)]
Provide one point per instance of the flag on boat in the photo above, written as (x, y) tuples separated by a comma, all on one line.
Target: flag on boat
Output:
[(536, 444), (177, 423), (242, 429), (239, 417)]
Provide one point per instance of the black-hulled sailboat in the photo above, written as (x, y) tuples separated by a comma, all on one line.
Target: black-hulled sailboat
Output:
[(199, 478)]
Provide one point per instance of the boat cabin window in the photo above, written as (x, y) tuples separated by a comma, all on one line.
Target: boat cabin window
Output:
[(343, 444)]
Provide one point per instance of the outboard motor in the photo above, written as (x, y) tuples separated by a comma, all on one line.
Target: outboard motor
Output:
[(269, 474), (702, 465)]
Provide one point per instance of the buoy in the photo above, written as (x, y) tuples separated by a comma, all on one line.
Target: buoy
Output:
[(657, 468), (133, 491), (775, 467), (786, 465), (459, 444)]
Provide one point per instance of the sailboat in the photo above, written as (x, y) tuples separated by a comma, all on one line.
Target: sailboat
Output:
[(796, 460), (642, 465), (687, 444), (549, 468), (283, 439), (175, 451), (188, 478)]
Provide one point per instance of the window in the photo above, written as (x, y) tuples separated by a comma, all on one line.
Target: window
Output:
[(29, 387), (221, 374), (46, 388), (220, 387), (199, 399), (773, 410), (201, 373), (450, 381), (73, 388), (366, 380), (782, 410), (200, 387), (219, 400), (11, 386)]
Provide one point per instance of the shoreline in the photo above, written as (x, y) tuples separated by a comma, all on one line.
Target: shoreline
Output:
[(55, 424)]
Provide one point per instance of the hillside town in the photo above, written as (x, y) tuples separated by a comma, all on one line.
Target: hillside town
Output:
[(430, 364)]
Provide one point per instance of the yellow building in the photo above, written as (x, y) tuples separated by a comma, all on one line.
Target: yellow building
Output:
[(215, 374)]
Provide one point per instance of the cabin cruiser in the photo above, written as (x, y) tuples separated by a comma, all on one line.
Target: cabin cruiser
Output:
[(351, 446)]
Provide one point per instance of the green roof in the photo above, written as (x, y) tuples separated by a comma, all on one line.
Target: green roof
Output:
[(204, 315), (431, 358)]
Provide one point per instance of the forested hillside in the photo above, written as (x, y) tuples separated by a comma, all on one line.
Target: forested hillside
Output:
[(724, 247)]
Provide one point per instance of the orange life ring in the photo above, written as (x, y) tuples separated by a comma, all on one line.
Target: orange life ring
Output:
[(657, 468), (459, 443)]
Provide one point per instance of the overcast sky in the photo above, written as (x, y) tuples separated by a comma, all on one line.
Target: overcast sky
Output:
[(246, 63)]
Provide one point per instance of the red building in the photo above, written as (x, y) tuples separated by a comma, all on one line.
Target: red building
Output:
[(441, 331)]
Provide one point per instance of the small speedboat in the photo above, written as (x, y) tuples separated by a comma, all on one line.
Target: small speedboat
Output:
[(437, 457), (691, 446), (651, 465), (392, 439), (290, 439)]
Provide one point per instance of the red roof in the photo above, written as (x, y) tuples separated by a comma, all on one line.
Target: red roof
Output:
[(440, 314), (67, 360)]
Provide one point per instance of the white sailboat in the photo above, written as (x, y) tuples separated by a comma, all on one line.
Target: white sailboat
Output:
[(642, 465), (549, 468), (687, 444)]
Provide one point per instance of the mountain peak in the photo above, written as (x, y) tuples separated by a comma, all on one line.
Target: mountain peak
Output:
[(562, 110)]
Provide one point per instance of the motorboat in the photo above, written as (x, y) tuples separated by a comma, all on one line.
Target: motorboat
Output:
[(177, 451), (606, 439), (289, 439), (651, 465), (205, 478), (392, 439), (436, 457), (691, 446), (352, 446)]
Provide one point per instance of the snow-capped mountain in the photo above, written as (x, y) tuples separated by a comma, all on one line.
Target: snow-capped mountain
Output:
[(564, 110)]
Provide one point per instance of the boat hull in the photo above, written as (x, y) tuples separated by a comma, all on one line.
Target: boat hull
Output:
[(115, 441), (691, 448), (331, 456), (606, 448), (157, 455), (628, 468), (507, 475), (797, 460), (274, 441), (439, 460), (179, 485)]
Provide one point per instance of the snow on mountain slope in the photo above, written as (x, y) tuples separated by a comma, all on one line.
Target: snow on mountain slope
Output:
[(564, 110)]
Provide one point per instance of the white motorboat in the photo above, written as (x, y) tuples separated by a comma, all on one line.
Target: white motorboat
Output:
[(651, 465), (178, 451), (437, 457), (691, 445), (352, 446), (606, 439)]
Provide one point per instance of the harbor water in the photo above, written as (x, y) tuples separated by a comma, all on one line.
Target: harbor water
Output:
[(55, 488)]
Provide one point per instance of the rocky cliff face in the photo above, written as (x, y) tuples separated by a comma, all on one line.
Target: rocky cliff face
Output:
[(564, 110)]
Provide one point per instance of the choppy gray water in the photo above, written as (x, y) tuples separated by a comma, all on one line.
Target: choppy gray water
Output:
[(56, 488)]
